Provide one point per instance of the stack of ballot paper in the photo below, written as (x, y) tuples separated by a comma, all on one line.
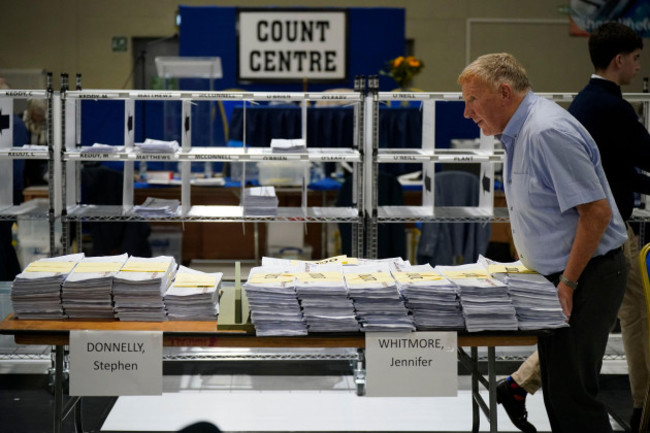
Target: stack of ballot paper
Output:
[(260, 200), (157, 207), (275, 309), (151, 145), (534, 297), (288, 145), (378, 304), (139, 287), (36, 291), (194, 295), (101, 148), (485, 301), (432, 299), (88, 289), (325, 303)]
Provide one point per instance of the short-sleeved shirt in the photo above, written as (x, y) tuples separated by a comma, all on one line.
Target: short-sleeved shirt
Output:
[(552, 165)]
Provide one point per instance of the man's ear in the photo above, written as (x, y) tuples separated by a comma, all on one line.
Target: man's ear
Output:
[(505, 92)]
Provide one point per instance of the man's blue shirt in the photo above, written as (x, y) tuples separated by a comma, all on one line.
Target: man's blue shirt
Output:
[(552, 166)]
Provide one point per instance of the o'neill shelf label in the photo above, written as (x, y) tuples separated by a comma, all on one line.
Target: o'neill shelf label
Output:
[(413, 364), (112, 363)]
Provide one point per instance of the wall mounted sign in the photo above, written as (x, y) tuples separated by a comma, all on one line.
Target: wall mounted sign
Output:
[(292, 45)]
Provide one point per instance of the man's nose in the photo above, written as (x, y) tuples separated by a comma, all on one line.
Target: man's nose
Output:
[(466, 112)]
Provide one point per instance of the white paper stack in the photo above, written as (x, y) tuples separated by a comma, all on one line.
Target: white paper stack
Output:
[(485, 301), (36, 291), (151, 145), (534, 297), (275, 309), (101, 148), (87, 291), (157, 207), (378, 304), (139, 287), (288, 145), (260, 200), (432, 298), (325, 302), (194, 295)]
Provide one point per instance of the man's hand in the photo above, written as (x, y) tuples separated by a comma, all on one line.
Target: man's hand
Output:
[(565, 294)]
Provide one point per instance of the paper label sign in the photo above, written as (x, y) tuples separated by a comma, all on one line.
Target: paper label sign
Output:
[(414, 364), (146, 267), (510, 268), (195, 280), (453, 275), (110, 363), (98, 267), (314, 277), (369, 278), (50, 266), (410, 277), (263, 278)]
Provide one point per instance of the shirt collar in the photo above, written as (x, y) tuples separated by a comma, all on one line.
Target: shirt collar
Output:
[(511, 131)]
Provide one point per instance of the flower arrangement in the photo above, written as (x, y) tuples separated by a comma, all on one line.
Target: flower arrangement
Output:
[(403, 69)]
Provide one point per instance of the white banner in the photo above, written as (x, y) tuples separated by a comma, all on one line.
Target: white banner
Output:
[(111, 363), (414, 364), (292, 45)]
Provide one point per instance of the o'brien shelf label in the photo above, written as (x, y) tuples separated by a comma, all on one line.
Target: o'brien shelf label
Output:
[(112, 363), (414, 364)]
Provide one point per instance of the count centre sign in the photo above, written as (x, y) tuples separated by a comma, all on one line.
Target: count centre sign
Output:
[(414, 364), (111, 363), (292, 45)]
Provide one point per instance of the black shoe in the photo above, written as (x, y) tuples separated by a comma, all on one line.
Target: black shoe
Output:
[(516, 409), (635, 420)]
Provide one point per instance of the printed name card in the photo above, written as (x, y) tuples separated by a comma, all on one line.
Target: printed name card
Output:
[(477, 273), (146, 267), (414, 364), (110, 363), (412, 277)]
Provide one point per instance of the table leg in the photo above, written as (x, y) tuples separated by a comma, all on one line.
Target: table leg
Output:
[(360, 373), (476, 416), (58, 390), (492, 389)]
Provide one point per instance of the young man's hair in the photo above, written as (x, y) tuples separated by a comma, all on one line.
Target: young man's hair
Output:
[(609, 40)]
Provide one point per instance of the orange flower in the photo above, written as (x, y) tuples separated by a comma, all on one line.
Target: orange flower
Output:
[(402, 69)]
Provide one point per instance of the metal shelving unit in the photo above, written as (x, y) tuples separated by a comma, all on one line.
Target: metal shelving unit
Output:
[(72, 155)]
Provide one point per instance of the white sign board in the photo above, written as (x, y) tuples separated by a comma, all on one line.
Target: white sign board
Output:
[(414, 364), (110, 363), (292, 45)]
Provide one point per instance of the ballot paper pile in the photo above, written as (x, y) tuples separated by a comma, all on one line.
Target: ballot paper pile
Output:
[(432, 298), (273, 303), (194, 295), (378, 304), (101, 148), (260, 200), (151, 145), (87, 291), (280, 145), (36, 291), (139, 287), (534, 297), (324, 298), (157, 207), (485, 301)]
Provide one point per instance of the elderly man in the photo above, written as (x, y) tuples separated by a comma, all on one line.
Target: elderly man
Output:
[(565, 225)]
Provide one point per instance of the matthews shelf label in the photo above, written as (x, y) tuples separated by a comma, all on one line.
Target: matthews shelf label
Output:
[(413, 364), (113, 363)]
